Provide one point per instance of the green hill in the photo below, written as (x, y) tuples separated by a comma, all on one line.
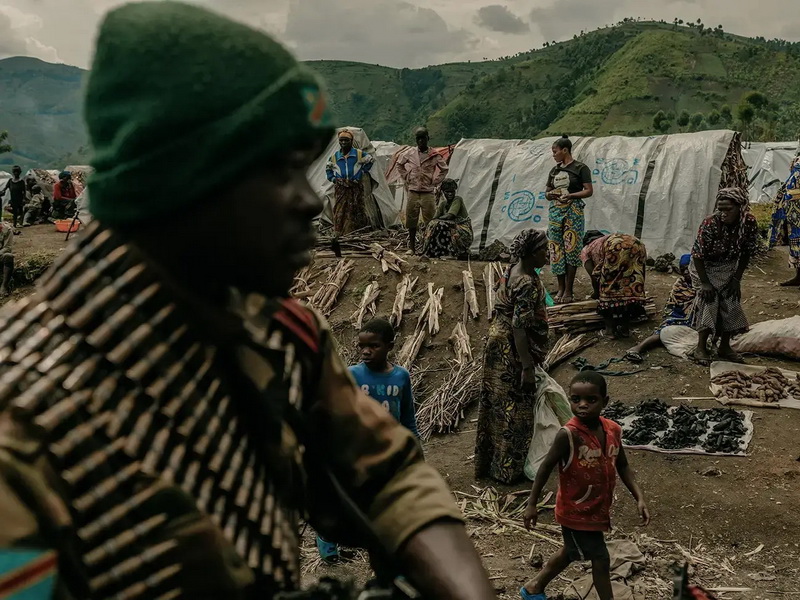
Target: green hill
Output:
[(636, 78)]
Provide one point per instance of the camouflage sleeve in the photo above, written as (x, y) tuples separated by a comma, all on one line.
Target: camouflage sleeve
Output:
[(379, 461)]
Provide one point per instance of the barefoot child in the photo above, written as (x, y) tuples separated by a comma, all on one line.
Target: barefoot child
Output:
[(589, 454), (387, 383)]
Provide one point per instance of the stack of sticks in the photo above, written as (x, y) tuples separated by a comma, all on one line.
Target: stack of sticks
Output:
[(368, 304), (410, 349), (492, 273), (462, 347), (431, 311), (388, 260), (402, 301), (327, 294), (359, 243), (444, 409), (582, 316), (471, 308), (566, 346)]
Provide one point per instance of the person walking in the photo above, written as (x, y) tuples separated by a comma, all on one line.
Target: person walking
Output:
[(568, 185)]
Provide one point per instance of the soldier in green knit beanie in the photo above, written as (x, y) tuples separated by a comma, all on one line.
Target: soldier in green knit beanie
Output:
[(169, 413)]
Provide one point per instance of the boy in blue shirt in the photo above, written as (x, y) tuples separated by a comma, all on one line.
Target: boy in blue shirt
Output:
[(387, 383)]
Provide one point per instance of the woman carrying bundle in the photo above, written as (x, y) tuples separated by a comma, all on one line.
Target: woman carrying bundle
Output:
[(720, 255), (517, 344), (616, 264), (450, 231)]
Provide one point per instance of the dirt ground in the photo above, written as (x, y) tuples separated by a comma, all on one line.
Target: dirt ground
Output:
[(752, 503), (720, 518)]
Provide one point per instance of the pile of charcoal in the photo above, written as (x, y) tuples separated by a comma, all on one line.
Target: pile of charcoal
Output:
[(616, 411), (726, 435), (654, 423), (688, 426)]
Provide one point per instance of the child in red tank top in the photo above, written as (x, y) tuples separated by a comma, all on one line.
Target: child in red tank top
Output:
[(589, 454)]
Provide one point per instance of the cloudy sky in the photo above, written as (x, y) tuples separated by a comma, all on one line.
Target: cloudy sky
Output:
[(397, 33)]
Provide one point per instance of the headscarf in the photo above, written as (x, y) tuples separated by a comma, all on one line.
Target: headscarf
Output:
[(64, 175), (741, 199), (250, 100), (685, 260), (526, 243), (346, 133), (448, 184)]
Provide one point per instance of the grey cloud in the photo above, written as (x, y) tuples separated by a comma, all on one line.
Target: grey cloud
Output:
[(562, 20), (387, 32), (15, 35), (498, 17)]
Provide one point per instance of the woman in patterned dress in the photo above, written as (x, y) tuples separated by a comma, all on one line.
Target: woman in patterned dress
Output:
[(450, 231), (786, 221), (616, 264), (720, 255), (568, 185), (517, 343)]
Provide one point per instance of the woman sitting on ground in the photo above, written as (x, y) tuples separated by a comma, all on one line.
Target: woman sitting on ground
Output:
[(517, 344), (725, 242), (616, 264), (679, 310), (450, 231)]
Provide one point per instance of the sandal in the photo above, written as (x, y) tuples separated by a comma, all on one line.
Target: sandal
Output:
[(703, 362), (634, 357), (734, 357)]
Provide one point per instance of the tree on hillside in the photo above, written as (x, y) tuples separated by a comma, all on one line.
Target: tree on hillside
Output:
[(4, 145), (745, 113), (713, 117), (683, 119), (756, 99), (662, 122), (697, 121), (725, 113)]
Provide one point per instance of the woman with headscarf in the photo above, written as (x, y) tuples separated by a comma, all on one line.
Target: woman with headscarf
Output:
[(517, 344), (721, 253), (450, 231), (679, 310), (345, 169), (786, 221), (616, 264), (568, 185)]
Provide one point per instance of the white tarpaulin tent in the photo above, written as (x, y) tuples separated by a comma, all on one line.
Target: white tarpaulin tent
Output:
[(768, 167), (375, 184), (658, 188)]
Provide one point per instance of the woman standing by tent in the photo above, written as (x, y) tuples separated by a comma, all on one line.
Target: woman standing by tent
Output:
[(450, 231), (345, 169), (616, 264), (720, 255), (517, 344), (569, 183)]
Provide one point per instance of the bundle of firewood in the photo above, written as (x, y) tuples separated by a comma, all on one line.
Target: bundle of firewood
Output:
[(431, 311), (492, 272), (444, 409), (358, 243), (402, 301), (327, 294), (388, 260), (410, 349), (471, 308), (582, 316), (301, 288), (566, 346), (462, 347), (368, 304)]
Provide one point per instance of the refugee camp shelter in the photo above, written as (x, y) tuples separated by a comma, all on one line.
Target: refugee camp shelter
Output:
[(382, 208), (768, 165), (658, 188)]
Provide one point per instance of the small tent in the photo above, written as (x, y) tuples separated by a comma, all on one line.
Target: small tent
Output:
[(658, 188), (380, 203), (767, 166)]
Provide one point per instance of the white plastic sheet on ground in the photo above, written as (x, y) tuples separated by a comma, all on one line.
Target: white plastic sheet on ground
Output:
[(721, 366), (324, 188), (768, 166), (658, 188)]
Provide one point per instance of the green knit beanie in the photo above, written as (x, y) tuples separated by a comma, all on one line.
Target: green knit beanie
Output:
[(181, 102)]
